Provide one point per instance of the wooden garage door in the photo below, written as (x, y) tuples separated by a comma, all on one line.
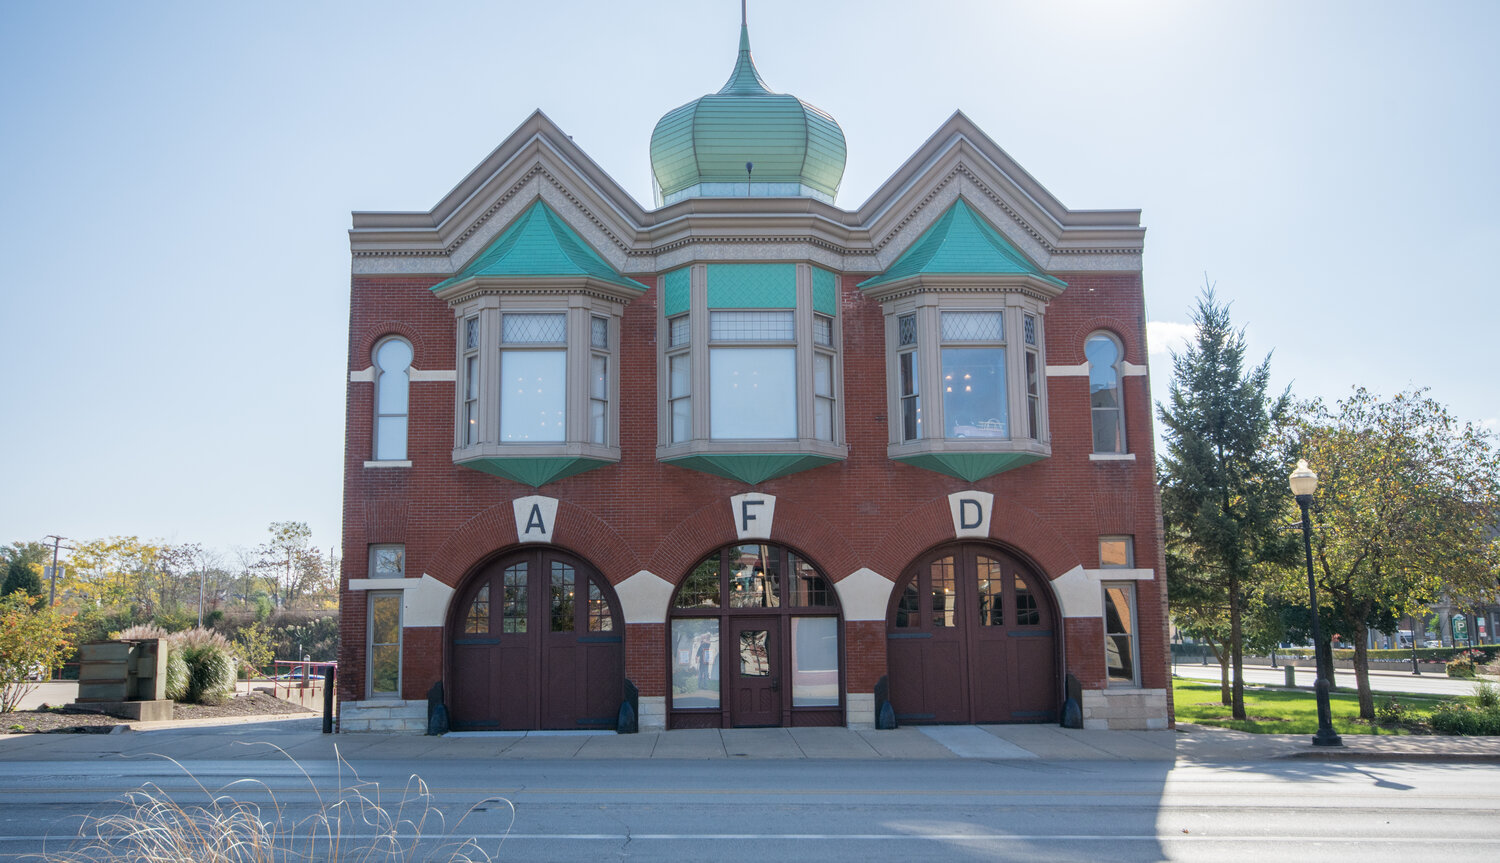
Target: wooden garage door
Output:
[(971, 637), (537, 642)]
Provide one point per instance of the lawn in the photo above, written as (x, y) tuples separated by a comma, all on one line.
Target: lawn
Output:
[(1287, 711)]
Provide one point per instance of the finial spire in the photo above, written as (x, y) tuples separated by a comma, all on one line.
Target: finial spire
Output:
[(744, 80)]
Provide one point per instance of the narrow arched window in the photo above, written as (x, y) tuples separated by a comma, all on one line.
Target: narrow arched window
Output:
[(1104, 355), (392, 382)]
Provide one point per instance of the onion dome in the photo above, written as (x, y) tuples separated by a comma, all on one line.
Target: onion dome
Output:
[(747, 141)]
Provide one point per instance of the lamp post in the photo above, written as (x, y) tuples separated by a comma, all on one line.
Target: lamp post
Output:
[(1304, 482)]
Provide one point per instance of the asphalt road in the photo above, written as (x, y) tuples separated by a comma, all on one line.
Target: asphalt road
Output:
[(828, 811), (1380, 681)]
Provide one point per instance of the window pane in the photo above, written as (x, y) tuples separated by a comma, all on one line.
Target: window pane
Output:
[(394, 359), (1107, 437), (385, 642), (1027, 613), (822, 330), (478, 618), (1033, 395), (815, 661), (823, 419), (752, 393), (754, 577), (599, 332), (974, 402), (680, 331), (1104, 393), (471, 334), (533, 396), (390, 438), (471, 377), (514, 611), (393, 356), (701, 587), (601, 619), (562, 597), (906, 325), (911, 413), (755, 659), (682, 419), (908, 612), (991, 593), (534, 329), (695, 663), (681, 371), (1119, 653), (751, 326), (1115, 552), (389, 561), (973, 327), (596, 422), (822, 374), (807, 586), (943, 598), (599, 377), (1029, 325)]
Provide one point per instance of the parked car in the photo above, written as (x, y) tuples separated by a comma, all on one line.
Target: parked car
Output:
[(1433, 642)]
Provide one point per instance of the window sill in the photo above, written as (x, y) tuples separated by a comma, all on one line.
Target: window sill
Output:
[(389, 463), (1111, 456)]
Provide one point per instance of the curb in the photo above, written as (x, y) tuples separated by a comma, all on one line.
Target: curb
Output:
[(1409, 757), (211, 722)]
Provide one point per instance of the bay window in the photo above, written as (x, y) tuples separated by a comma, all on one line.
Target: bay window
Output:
[(750, 369)]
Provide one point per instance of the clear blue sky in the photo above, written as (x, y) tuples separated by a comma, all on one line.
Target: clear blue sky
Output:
[(178, 179)]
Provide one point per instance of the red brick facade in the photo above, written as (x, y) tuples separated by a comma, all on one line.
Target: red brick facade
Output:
[(866, 512)]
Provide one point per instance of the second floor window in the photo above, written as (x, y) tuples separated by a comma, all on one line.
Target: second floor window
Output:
[(533, 378), (1108, 417), (392, 385)]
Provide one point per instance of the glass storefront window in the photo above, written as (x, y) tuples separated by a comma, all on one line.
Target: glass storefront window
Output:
[(815, 661), (695, 663)]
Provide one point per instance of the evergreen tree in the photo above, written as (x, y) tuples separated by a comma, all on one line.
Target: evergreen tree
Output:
[(22, 576), (1223, 491)]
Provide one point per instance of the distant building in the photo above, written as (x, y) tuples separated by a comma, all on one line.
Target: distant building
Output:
[(762, 457)]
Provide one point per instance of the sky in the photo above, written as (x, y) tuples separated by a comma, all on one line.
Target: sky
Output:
[(178, 179)]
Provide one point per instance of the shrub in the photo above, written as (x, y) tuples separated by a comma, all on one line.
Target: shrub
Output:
[(1392, 712), (1463, 664), (142, 632), (1455, 718), (177, 673), (211, 666), (33, 641)]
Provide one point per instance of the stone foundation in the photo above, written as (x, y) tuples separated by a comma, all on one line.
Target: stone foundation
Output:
[(653, 715), (386, 714), (1125, 709), (860, 710)]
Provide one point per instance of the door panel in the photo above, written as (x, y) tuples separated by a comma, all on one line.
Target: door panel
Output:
[(755, 672)]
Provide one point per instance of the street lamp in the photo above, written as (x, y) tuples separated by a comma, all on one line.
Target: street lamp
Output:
[(1304, 482)]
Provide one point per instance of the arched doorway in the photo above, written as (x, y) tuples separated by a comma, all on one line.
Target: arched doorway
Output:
[(972, 637), (536, 641), (755, 639)]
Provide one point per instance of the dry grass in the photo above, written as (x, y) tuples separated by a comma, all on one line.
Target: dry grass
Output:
[(356, 825)]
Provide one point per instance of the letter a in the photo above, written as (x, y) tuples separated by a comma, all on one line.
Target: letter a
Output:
[(535, 520)]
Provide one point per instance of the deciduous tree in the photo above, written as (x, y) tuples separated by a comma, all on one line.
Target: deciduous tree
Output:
[(1406, 500), (33, 642)]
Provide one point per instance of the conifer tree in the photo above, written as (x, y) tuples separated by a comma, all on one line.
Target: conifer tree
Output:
[(1222, 487)]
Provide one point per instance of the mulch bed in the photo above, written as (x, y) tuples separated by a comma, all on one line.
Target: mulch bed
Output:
[(66, 720)]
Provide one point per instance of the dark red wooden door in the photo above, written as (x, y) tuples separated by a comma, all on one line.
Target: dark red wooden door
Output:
[(971, 638), (754, 666), (537, 642)]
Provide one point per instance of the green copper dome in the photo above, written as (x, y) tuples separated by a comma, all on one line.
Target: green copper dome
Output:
[(793, 149)]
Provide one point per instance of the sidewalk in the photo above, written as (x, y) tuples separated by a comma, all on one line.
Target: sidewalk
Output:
[(301, 738)]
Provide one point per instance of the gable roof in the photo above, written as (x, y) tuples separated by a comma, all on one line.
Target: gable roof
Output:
[(960, 242), (538, 243)]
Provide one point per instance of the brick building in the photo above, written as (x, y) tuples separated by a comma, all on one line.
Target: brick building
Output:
[(769, 461)]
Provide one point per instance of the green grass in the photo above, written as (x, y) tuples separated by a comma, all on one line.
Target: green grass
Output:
[(1288, 711)]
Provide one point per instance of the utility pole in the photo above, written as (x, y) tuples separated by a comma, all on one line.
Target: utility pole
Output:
[(56, 544)]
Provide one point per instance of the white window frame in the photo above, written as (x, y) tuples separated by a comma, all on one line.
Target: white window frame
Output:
[(1134, 633), (696, 349), (579, 311), (1119, 409), (378, 408), (374, 595)]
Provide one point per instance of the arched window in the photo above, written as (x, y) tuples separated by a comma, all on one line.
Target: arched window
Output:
[(1104, 355), (392, 384)]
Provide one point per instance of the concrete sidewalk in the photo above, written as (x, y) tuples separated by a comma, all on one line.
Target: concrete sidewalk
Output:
[(301, 739)]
